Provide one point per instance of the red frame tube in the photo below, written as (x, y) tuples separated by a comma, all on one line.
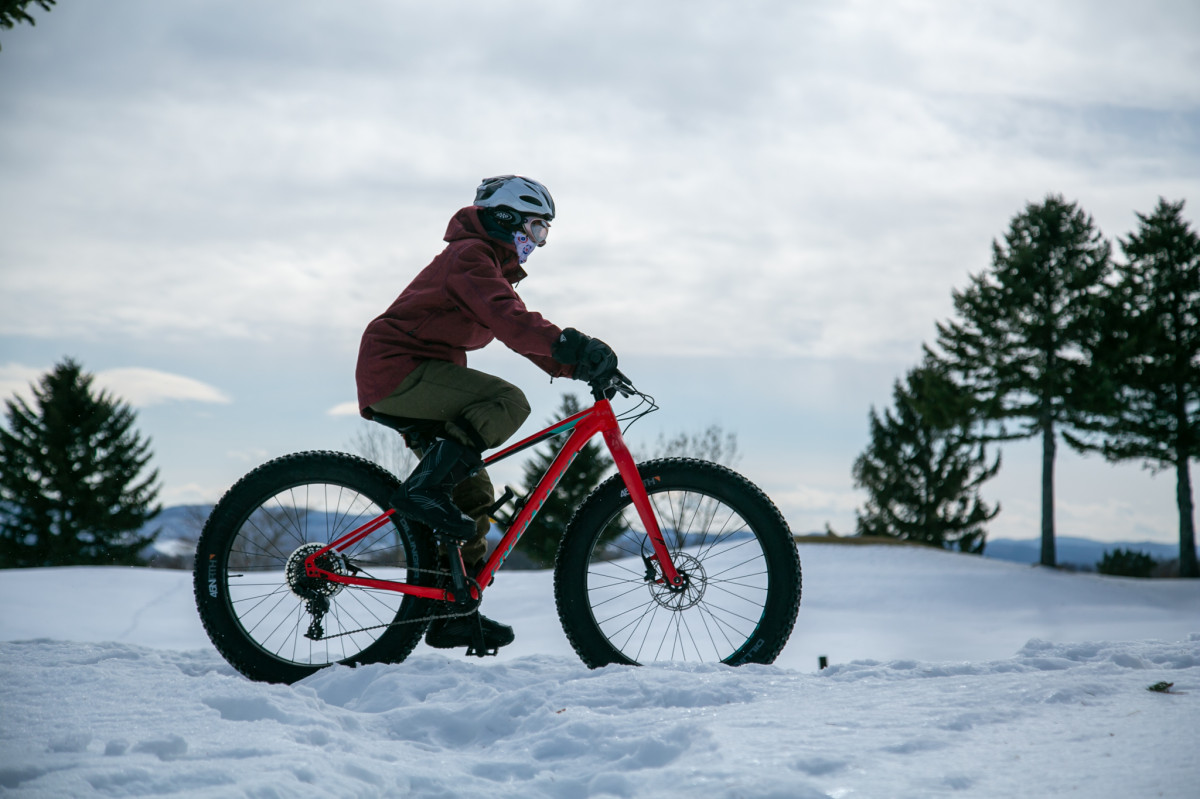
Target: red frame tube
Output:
[(583, 425)]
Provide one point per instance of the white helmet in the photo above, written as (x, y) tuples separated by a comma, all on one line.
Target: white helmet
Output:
[(523, 195)]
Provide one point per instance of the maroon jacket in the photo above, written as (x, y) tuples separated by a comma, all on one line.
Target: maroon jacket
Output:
[(462, 301)]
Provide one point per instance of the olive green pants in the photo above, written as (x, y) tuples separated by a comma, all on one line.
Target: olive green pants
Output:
[(492, 408)]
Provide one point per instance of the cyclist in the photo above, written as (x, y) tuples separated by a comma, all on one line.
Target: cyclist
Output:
[(412, 362)]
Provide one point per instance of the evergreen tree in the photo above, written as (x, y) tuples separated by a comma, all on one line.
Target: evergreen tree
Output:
[(1127, 563), (1018, 346), (70, 491), (923, 468), (13, 11), (1150, 351), (540, 540)]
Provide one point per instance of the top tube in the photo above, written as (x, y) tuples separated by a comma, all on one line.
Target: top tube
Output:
[(558, 428)]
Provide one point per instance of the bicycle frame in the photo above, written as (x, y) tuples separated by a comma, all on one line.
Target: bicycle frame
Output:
[(583, 425)]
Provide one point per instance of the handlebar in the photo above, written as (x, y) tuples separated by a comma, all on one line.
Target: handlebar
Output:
[(608, 385)]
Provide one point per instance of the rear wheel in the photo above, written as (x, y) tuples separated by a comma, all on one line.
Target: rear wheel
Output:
[(741, 589), (264, 614)]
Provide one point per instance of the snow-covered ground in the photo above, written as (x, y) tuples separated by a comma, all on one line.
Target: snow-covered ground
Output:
[(950, 676)]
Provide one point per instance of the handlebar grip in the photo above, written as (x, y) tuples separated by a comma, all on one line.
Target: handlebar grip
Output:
[(607, 386)]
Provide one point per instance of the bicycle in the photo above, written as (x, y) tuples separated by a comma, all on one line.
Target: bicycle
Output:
[(303, 563)]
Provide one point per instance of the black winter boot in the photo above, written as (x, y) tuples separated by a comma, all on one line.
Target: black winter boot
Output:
[(425, 495), (461, 631)]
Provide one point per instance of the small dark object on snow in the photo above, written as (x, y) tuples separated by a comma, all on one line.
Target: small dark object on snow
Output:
[(1161, 687)]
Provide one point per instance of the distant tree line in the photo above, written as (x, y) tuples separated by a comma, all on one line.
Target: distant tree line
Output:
[(1056, 339)]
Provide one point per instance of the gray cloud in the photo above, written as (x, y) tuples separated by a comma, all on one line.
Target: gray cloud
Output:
[(255, 165), (202, 187), (137, 386)]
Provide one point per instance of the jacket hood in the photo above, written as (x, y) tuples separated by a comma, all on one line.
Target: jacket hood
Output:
[(466, 224)]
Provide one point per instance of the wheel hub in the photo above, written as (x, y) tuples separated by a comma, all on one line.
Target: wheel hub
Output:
[(314, 588), (691, 589)]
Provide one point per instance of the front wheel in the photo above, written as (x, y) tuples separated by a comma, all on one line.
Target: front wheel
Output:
[(741, 590), (264, 614)]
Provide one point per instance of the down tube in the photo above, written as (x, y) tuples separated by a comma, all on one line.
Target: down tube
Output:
[(579, 437)]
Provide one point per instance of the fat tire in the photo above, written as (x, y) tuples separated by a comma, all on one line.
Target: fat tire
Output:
[(258, 513), (747, 619)]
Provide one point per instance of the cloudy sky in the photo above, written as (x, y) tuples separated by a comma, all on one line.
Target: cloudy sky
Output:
[(763, 206)]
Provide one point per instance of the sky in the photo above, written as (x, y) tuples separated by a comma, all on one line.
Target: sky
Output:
[(763, 207)]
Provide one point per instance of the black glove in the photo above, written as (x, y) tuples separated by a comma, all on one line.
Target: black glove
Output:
[(591, 356)]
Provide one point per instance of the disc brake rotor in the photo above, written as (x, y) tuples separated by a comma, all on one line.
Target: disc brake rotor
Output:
[(688, 594)]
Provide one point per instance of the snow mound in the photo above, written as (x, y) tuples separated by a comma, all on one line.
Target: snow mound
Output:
[(950, 676), (1055, 719)]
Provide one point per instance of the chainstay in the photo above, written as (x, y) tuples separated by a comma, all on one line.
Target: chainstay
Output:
[(466, 612)]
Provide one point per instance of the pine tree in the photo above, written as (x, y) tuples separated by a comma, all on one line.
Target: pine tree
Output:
[(1023, 328), (923, 468), (70, 491), (1127, 563), (14, 11), (1150, 352), (540, 539)]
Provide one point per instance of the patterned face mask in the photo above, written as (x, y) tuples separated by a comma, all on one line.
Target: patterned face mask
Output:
[(525, 245)]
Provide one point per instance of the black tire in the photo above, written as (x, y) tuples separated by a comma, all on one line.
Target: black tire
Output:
[(257, 606), (723, 532)]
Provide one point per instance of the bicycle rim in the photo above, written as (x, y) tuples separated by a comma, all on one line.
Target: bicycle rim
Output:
[(741, 588), (312, 621)]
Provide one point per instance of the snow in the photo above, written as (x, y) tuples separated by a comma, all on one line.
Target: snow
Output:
[(951, 676)]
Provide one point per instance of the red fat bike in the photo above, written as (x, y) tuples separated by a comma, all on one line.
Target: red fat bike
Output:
[(303, 563)]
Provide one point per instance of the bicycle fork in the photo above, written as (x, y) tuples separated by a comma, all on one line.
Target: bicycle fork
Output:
[(635, 484)]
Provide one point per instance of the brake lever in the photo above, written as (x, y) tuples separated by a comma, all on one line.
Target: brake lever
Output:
[(622, 384), (617, 383)]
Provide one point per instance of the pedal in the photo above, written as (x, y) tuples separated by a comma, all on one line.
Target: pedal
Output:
[(510, 495), (477, 648)]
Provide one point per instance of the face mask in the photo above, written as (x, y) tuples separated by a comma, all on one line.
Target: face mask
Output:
[(525, 245)]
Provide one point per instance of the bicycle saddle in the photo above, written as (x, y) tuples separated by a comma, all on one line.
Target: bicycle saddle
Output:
[(417, 432)]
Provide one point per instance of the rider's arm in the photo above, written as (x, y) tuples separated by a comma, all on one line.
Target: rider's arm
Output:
[(485, 295)]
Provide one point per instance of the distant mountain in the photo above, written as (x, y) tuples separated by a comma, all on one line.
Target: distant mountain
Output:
[(181, 526), (181, 521), (1079, 552)]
